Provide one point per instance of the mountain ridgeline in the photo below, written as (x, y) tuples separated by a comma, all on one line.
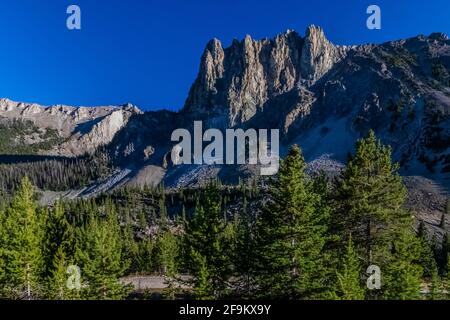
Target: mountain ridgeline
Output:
[(320, 95)]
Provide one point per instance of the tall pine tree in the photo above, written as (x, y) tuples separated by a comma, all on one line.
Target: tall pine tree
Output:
[(291, 235), (207, 246), (348, 282), (100, 256), (370, 205), (20, 246)]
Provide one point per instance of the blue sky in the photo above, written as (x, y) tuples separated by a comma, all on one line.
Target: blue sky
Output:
[(147, 52)]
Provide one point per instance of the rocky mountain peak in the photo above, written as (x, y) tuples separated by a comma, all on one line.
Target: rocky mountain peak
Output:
[(237, 82), (438, 36), (318, 54)]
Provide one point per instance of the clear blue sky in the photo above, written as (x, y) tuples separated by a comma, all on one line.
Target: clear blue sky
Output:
[(147, 52)]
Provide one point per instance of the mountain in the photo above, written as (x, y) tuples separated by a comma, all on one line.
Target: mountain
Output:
[(320, 95), (74, 131)]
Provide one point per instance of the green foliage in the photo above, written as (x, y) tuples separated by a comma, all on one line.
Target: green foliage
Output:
[(209, 252), (437, 286), (402, 275), (245, 246), (349, 286), (370, 205), (203, 286), (166, 253), (14, 134), (291, 235), (291, 241), (99, 254), (426, 259), (20, 246), (55, 174)]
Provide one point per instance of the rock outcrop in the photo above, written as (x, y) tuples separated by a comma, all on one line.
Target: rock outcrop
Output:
[(318, 54), (237, 82), (81, 129)]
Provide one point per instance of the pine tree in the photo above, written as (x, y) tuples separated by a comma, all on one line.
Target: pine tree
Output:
[(442, 252), (166, 253), (349, 286), (144, 256), (59, 289), (426, 259), (206, 236), (203, 287), (20, 246), (291, 235), (437, 286), (58, 254), (100, 256), (447, 278), (369, 205), (59, 238), (402, 274), (245, 248)]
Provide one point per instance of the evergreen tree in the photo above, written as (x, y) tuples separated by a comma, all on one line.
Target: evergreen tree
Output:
[(203, 286), (206, 241), (166, 253), (20, 246), (369, 205), (442, 252), (349, 286), (100, 256), (59, 238), (447, 278), (245, 248), (426, 259), (144, 256), (59, 289), (402, 274), (437, 285), (291, 235)]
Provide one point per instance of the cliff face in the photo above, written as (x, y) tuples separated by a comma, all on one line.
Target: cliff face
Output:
[(80, 130), (235, 83), (324, 96), (318, 54)]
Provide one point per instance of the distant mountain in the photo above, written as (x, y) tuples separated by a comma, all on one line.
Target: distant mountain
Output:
[(319, 95), (79, 130)]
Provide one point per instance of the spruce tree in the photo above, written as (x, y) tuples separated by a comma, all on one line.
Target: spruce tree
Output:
[(402, 273), (206, 242), (370, 205), (58, 286), (20, 246), (59, 238), (245, 249), (202, 284), (426, 259), (437, 285), (166, 253), (100, 256), (291, 235), (349, 286), (144, 256), (447, 278)]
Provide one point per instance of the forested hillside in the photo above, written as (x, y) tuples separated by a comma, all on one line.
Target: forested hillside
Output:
[(299, 237)]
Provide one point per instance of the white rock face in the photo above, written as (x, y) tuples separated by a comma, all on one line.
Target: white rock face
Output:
[(236, 83), (318, 54), (83, 128)]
